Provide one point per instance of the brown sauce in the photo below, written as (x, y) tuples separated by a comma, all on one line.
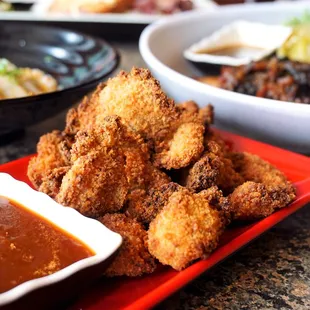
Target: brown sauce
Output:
[(31, 247), (238, 51)]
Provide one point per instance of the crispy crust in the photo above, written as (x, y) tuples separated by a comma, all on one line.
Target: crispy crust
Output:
[(52, 152), (186, 229), (266, 189), (175, 133), (110, 165), (133, 258), (152, 204), (213, 169)]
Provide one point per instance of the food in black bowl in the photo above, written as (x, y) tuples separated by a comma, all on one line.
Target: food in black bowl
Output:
[(75, 61)]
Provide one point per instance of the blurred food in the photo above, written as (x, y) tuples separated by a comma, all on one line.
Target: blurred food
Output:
[(273, 78), (284, 76), (90, 6), (22, 82), (4, 6), (112, 163), (302, 19), (297, 47), (162, 6), (119, 6)]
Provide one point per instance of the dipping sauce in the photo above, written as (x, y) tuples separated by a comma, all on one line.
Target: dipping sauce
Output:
[(237, 51), (31, 247)]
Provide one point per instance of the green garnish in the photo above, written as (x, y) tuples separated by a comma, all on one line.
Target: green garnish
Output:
[(8, 69), (297, 46), (303, 19), (4, 7)]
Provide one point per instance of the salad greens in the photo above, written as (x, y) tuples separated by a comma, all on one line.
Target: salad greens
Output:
[(297, 47), (4, 6), (303, 19)]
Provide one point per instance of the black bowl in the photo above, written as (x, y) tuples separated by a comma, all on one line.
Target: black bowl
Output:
[(77, 61)]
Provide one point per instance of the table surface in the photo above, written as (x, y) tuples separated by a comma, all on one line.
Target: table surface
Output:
[(272, 273)]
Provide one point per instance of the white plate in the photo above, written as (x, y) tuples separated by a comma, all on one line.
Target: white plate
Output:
[(282, 123), (39, 12), (23, 1)]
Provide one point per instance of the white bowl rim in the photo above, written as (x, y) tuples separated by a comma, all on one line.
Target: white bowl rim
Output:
[(24, 288), (149, 57)]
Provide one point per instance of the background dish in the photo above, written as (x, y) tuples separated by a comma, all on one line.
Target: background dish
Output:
[(41, 9), (38, 12), (268, 120), (147, 291), (78, 62)]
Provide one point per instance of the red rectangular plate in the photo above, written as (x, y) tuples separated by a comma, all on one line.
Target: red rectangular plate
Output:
[(145, 292)]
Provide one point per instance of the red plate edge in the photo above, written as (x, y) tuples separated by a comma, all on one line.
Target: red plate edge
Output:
[(299, 163)]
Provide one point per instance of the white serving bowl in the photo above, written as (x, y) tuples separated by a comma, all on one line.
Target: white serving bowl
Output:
[(44, 292), (162, 45)]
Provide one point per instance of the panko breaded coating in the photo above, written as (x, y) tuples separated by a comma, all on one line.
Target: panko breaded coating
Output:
[(153, 203), (109, 161), (206, 114), (266, 189), (53, 151), (213, 169), (174, 133), (188, 228), (253, 168), (216, 199), (251, 200), (84, 116), (211, 135), (133, 258), (52, 181)]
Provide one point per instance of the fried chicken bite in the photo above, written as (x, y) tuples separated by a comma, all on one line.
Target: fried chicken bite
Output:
[(53, 151), (206, 114), (84, 116), (186, 229), (213, 169), (253, 168), (109, 162), (51, 182), (152, 204), (266, 190), (211, 135), (133, 258), (251, 200), (175, 133)]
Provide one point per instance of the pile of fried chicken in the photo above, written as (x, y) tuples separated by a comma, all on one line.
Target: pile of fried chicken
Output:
[(154, 172)]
